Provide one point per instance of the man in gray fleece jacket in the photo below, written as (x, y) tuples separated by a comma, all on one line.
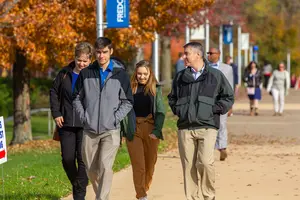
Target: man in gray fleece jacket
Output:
[(102, 98)]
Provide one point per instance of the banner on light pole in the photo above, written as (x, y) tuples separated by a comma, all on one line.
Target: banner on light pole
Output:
[(227, 34), (117, 14)]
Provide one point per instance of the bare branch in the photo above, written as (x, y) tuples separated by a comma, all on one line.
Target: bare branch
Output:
[(7, 6)]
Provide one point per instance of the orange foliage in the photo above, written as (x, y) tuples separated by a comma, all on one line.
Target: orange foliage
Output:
[(47, 31)]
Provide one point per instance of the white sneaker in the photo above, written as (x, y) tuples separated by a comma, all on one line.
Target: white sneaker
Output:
[(143, 198)]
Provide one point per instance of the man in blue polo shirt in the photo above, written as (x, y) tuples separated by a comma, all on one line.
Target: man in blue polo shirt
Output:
[(104, 72), (102, 99)]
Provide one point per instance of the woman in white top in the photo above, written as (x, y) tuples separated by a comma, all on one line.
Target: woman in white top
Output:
[(279, 85)]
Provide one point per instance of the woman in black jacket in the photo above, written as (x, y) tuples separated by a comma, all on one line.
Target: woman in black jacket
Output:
[(68, 124), (253, 82)]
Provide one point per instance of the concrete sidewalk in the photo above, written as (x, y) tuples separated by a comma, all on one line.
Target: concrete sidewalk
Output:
[(263, 162)]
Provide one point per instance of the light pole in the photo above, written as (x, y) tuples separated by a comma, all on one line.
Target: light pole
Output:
[(99, 18), (187, 34), (221, 42), (231, 44), (239, 54), (155, 55)]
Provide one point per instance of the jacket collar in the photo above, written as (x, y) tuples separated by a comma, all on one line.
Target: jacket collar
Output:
[(188, 77)]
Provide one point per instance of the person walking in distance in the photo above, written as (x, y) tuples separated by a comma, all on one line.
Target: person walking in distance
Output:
[(267, 72), (199, 95), (102, 99), (180, 63), (227, 70), (253, 83), (278, 86), (150, 114), (228, 61), (70, 128)]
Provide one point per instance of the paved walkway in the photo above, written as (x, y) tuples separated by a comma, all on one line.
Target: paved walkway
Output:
[(263, 161)]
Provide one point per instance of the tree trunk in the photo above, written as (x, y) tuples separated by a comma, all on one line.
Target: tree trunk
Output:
[(166, 65), (139, 56), (22, 122)]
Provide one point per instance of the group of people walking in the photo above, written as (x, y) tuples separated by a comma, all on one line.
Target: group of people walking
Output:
[(95, 104), (277, 85)]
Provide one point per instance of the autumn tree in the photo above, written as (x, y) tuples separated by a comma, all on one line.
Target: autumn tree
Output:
[(275, 26), (41, 34)]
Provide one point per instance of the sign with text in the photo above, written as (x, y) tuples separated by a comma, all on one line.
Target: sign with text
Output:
[(227, 34), (117, 14), (198, 33), (245, 41), (3, 150)]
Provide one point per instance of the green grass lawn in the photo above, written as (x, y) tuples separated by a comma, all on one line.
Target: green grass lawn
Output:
[(39, 126), (39, 175)]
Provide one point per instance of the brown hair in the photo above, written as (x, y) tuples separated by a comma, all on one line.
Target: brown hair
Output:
[(84, 48), (151, 83), (103, 42)]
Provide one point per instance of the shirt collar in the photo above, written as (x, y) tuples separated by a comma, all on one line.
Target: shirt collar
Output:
[(194, 71), (110, 66), (215, 65)]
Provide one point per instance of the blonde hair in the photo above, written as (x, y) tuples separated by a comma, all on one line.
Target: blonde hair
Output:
[(84, 48), (151, 83)]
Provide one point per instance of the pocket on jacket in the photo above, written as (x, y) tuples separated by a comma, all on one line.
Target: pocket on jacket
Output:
[(182, 107), (204, 108)]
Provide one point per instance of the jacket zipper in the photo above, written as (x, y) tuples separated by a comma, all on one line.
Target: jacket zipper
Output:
[(101, 88)]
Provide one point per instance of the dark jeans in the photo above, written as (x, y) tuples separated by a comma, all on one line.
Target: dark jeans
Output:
[(266, 80), (70, 141)]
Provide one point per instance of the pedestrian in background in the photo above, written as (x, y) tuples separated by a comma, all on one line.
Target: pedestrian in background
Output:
[(253, 83), (150, 115), (180, 63), (227, 70), (279, 85), (229, 61), (267, 72), (70, 127)]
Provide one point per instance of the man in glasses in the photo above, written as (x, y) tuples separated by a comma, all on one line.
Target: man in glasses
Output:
[(214, 61)]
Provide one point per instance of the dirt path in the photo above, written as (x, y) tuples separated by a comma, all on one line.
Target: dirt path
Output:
[(263, 163)]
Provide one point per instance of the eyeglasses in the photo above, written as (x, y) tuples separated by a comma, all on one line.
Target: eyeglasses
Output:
[(210, 53)]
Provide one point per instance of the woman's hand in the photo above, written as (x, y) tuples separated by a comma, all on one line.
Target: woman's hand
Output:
[(152, 136), (59, 121)]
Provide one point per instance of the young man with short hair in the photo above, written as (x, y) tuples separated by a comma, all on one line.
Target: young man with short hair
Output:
[(102, 98)]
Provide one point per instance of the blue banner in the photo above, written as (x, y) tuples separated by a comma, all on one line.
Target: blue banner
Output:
[(227, 34), (117, 13)]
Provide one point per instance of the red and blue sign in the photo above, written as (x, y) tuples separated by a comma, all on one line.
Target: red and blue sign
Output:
[(3, 150)]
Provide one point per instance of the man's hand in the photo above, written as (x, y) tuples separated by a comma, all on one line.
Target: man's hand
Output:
[(229, 112), (59, 121), (152, 136)]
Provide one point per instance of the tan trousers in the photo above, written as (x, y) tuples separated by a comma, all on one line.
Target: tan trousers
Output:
[(196, 149), (143, 155), (98, 153)]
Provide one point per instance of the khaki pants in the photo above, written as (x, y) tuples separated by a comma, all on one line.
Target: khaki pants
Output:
[(98, 153), (143, 155), (196, 149)]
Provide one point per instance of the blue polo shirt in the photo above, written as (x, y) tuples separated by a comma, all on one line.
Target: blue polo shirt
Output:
[(104, 74), (74, 78)]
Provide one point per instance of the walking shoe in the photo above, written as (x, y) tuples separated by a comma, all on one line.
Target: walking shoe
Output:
[(275, 114), (256, 113), (223, 154), (280, 114), (252, 111)]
